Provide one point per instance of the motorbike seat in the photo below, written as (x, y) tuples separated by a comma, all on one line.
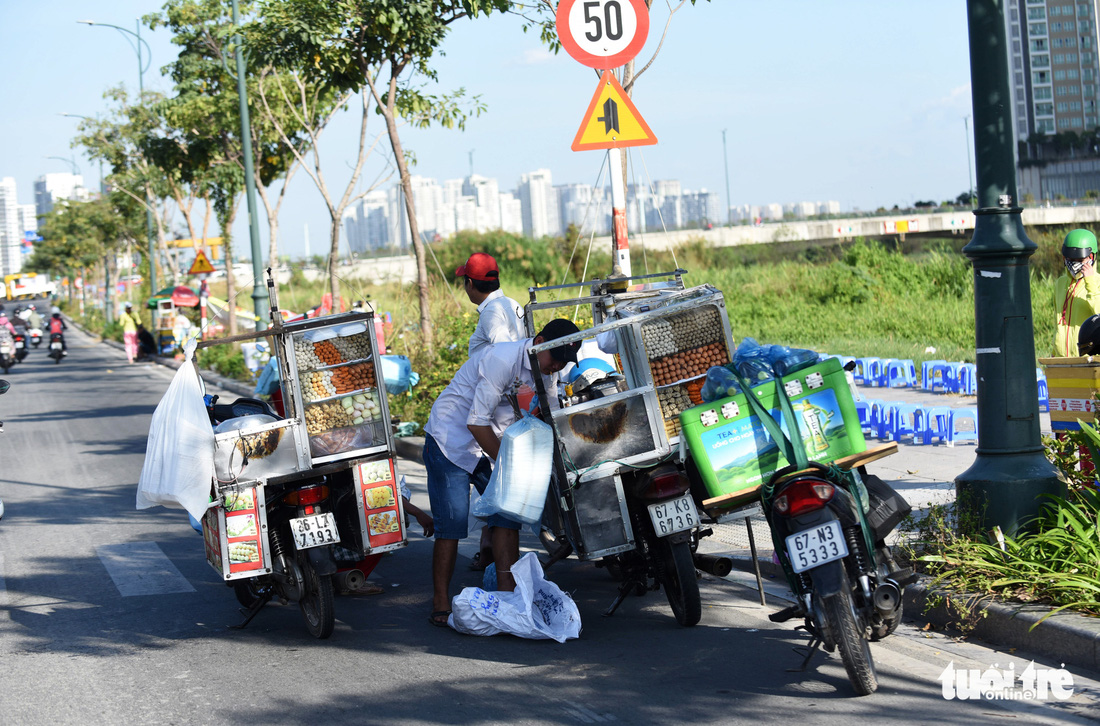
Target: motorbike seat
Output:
[(242, 407)]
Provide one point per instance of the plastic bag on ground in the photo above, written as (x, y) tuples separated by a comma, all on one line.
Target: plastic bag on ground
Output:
[(521, 476), (538, 609), (179, 457)]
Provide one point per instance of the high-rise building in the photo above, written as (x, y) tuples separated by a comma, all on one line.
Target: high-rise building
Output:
[(540, 204), (28, 220), (51, 188), (11, 237)]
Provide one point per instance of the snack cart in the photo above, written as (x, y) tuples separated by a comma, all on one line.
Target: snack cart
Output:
[(335, 436), (616, 432)]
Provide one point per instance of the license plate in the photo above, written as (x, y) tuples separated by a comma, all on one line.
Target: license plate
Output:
[(18, 344), (673, 516), (314, 531), (5, 350), (816, 546), (55, 346)]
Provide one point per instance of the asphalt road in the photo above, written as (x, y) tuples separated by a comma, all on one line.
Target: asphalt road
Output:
[(111, 615)]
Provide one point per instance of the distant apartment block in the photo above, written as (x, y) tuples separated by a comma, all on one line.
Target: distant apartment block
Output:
[(52, 188), (11, 236)]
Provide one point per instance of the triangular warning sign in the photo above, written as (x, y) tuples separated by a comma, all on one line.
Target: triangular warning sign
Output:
[(612, 120), (201, 265)]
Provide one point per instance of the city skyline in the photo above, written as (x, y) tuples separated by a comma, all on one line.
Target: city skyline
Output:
[(807, 116)]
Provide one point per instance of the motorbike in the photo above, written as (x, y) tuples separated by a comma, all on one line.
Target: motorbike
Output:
[(19, 342), (35, 335), (4, 385), (57, 347), (662, 517), (828, 529), (313, 531), (7, 353)]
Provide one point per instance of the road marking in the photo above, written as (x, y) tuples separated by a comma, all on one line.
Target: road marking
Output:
[(587, 715), (3, 585), (141, 568)]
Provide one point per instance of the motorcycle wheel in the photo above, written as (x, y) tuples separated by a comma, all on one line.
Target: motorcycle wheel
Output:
[(855, 651), (680, 583), (249, 592), (317, 602)]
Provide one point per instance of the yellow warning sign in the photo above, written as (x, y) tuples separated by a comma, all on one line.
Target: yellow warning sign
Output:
[(201, 265), (612, 120)]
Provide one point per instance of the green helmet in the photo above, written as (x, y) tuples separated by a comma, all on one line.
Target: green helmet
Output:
[(1079, 244)]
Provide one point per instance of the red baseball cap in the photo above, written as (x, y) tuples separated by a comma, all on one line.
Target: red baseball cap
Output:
[(480, 266)]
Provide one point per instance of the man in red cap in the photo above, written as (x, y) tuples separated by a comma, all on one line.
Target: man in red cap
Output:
[(500, 319)]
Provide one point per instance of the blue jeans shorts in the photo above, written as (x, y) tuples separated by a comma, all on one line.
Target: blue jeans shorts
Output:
[(449, 493)]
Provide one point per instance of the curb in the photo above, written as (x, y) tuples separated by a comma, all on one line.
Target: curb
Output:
[(1066, 638), (410, 447)]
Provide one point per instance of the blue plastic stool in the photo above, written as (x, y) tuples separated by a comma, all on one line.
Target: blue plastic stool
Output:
[(945, 377), (903, 419), (876, 417), (968, 379), (868, 371), (863, 410), (897, 374), (958, 415), (926, 373), (936, 422)]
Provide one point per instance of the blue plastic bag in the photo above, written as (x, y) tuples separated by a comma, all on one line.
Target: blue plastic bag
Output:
[(398, 374), (720, 383)]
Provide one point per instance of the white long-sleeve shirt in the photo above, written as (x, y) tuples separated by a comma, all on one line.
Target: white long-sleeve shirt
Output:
[(476, 396), (500, 320)]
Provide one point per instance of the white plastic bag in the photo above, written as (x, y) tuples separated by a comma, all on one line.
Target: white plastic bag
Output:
[(538, 609), (179, 458), (521, 476)]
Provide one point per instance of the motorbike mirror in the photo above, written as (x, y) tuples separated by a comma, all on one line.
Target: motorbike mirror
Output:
[(4, 386)]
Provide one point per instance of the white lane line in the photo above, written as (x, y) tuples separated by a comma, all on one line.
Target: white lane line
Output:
[(141, 568), (3, 585)]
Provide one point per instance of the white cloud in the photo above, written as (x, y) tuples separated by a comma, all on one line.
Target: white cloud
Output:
[(534, 56)]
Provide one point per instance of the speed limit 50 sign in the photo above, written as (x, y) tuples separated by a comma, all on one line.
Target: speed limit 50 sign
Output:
[(602, 34)]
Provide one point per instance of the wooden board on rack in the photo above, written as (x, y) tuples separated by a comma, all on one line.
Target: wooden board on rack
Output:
[(866, 457), (732, 501)]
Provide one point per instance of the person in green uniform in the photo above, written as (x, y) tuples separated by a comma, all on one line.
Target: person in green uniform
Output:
[(1076, 293)]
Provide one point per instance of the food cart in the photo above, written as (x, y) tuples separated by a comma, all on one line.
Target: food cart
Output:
[(335, 429), (616, 434)]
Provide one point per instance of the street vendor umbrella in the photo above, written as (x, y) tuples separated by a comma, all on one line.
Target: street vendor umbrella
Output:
[(181, 295)]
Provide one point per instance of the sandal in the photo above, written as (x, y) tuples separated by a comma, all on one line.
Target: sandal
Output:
[(434, 618), (479, 563)]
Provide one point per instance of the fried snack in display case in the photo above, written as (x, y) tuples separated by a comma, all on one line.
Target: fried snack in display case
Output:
[(680, 348), (336, 366)]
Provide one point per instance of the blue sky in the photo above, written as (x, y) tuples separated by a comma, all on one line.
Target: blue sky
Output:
[(856, 101)]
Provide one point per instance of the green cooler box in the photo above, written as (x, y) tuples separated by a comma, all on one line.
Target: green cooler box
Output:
[(733, 450)]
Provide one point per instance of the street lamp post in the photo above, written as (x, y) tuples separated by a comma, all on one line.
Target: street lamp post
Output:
[(1004, 486), (70, 162), (260, 304), (143, 65), (969, 166), (89, 118), (729, 205)]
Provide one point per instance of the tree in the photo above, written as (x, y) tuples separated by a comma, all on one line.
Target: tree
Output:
[(382, 45)]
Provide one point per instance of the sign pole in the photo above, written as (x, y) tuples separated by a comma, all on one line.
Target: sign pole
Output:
[(620, 246)]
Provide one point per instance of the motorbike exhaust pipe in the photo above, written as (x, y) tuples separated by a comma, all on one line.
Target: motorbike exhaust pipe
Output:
[(351, 580), (717, 565), (887, 598)]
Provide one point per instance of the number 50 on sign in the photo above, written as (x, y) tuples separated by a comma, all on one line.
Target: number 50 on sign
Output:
[(602, 34)]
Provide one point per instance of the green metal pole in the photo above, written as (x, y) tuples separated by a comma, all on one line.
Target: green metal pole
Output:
[(1003, 486), (148, 199), (259, 289)]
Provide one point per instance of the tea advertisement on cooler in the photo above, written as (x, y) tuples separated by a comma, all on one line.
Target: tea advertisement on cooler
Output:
[(381, 504)]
